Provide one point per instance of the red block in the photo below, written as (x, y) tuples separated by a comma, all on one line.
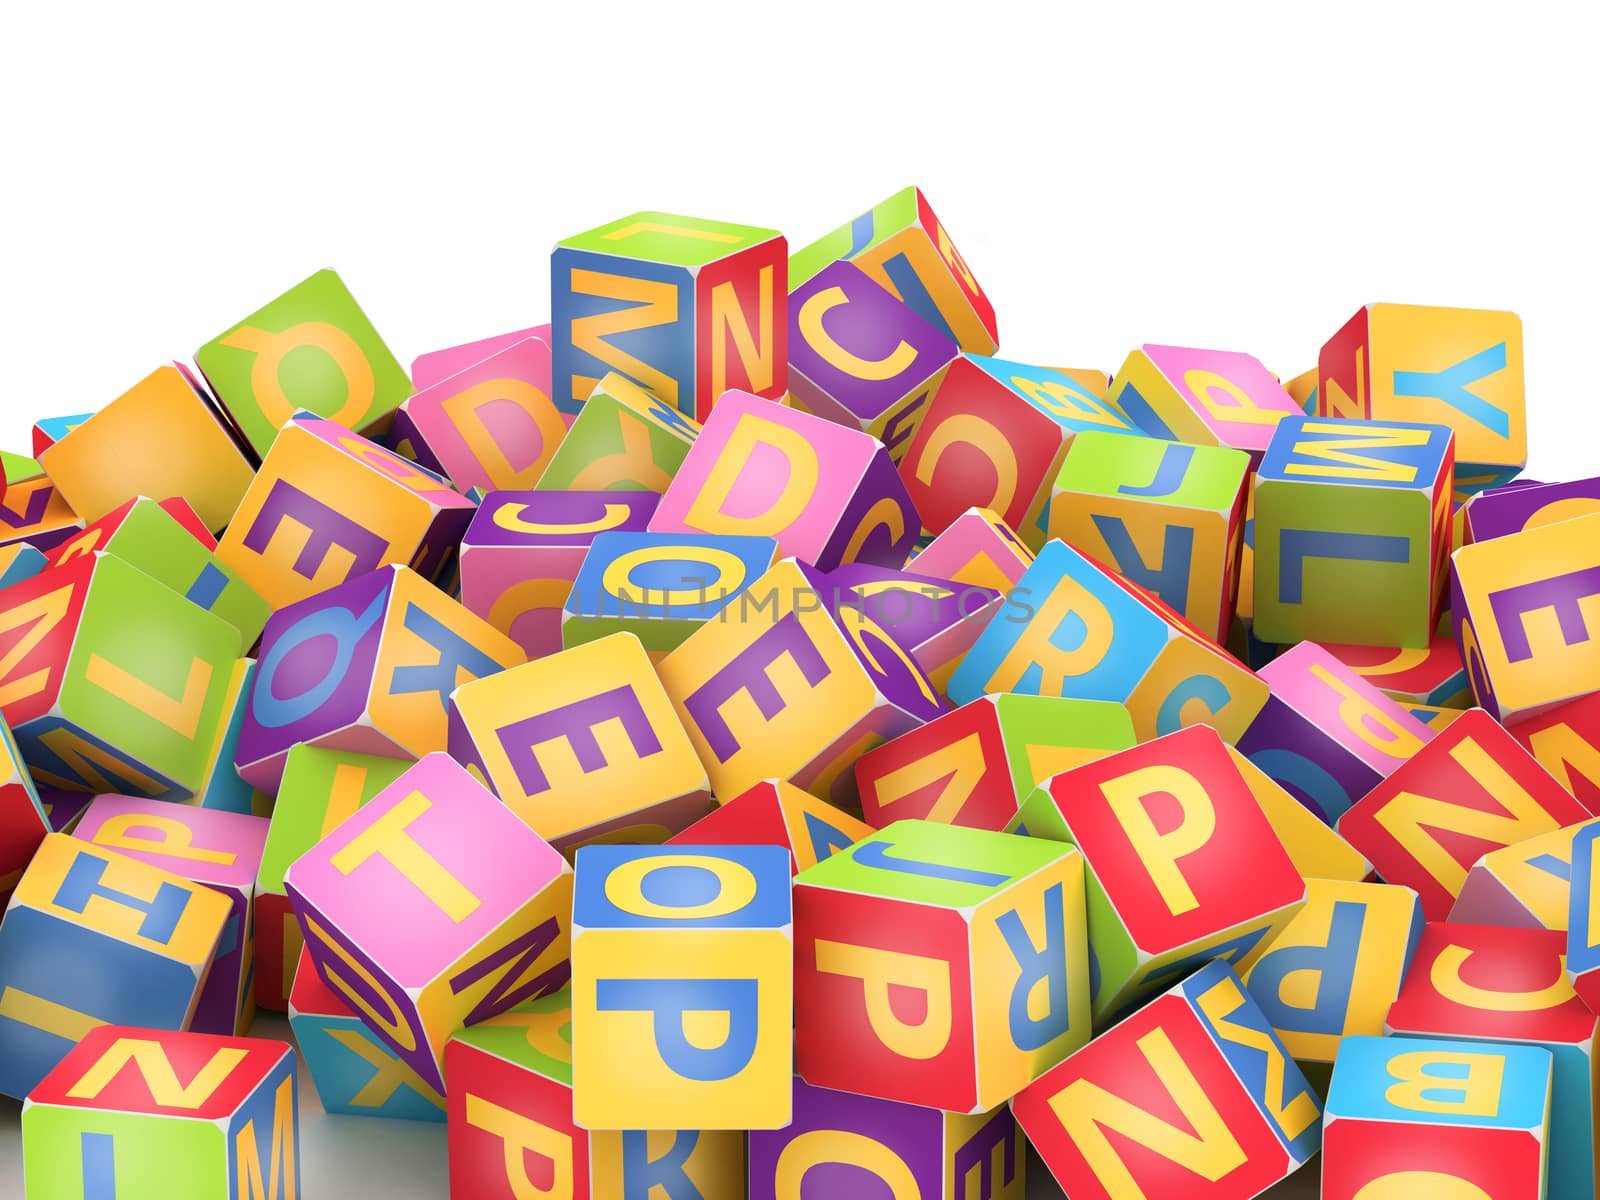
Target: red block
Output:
[(777, 813), (1566, 741)]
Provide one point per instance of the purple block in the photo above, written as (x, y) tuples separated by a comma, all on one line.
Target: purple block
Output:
[(879, 526), (1518, 506), (62, 808), (406, 440), (1310, 766), (936, 620)]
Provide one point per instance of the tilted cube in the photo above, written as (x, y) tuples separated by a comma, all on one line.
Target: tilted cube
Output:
[(940, 966), (1315, 847), (1504, 511), (433, 907), (683, 306), (1203, 397), (62, 809), (221, 787), (1203, 1099), (134, 1112), (1433, 677), (23, 819), (32, 510), (1527, 885), (976, 548), (623, 439), (776, 813), (682, 987), (438, 365), (1302, 390), (1352, 532), (1566, 741)]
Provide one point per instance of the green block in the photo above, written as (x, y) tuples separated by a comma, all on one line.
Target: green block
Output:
[(624, 439), (1205, 478), (19, 466), (887, 219), (669, 238), (535, 1035), (66, 1152), (1045, 735), (320, 788)]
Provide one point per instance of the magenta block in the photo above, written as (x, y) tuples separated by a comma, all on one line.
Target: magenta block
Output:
[(438, 365), (1519, 506), (977, 547)]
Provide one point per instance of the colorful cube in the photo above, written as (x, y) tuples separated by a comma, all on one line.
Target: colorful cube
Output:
[(1505, 511), (1527, 885), (776, 813), (1315, 848), (433, 907), (682, 987), (940, 966), (221, 787), (623, 439), (1434, 677), (1203, 397), (1566, 741), (1204, 1100), (686, 307), (32, 510), (23, 819), (976, 548), (438, 365), (1352, 532), (1583, 917)]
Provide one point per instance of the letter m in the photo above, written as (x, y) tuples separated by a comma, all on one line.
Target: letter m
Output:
[(1376, 454)]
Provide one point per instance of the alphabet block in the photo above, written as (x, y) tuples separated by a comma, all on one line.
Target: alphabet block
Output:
[(1327, 735), (541, 736), (366, 666), (1315, 848), (994, 437), (686, 307), (660, 587), (353, 1070), (1337, 966), (847, 686), (862, 358), (438, 365), (976, 548), (1505, 511), (94, 937), (143, 1112), (23, 819), (1460, 367), (1352, 532), (221, 850), (1183, 865), (160, 438), (47, 431), (522, 552), (1176, 535), (1521, 661), (329, 505), (1583, 918), (1566, 741), (1527, 885), (1434, 676), (902, 246), (1205, 1102), (1202, 397), (976, 765), (261, 370), (19, 561), (32, 510), (840, 1142), (320, 789), (840, 500), (776, 813), (1071, 628), (940, 966), (1470, 790), (623, 439), (660, 932), (511, 1126), (433, 907)]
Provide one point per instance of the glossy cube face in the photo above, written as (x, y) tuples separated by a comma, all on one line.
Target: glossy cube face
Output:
[(1505, 511), (32, 511), (146, 1114), (1352, 531), (438, 365), (1203, 397), (92, 936), (1203, 1097), (1410, 1117), (1183, 865), (312, 348), (664, 937), (1315, 848), (1527, 885), (431, 907), (47, 431), (623, 439), (683, 306), (582, 743), (968, 921), (976, 548), (776, 813)]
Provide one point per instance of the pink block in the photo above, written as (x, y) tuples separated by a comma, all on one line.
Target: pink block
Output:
[(438, 365), (977, 547), (1245, 372)]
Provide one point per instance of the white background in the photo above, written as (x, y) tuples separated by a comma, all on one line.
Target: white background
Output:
[(1237, 176)]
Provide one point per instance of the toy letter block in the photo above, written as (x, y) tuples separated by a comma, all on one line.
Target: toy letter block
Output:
[(1445, 1120), (976, 548), (1470, 790), (512, 1136), (1505, 511), (1204, 1100), (829, 495), (1203, 397), (1071, 628), (47, 431), (141, 1112), (862, 358), (683, 306), (367, 666), (940, 966), (1583, 917), (93, 937), (32, 510), (312, 348), (1327, 735), (582, 745), (23, 818), (353, 1070), (976, 765), (1337, 966), (844, 1145), (320, 789), (1176, 535), (522, 552), (778, 688), (1352, 532), (994, 437), (1524, 886), (328, 505), (1518, 605), (776, 813), (1460, 367), (1500, 985), (901, 245), (1433, 677), (1183, 865), (623, 439), (662, 932), (660, 587), (438, 365), (162, 438), (433, 907)]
